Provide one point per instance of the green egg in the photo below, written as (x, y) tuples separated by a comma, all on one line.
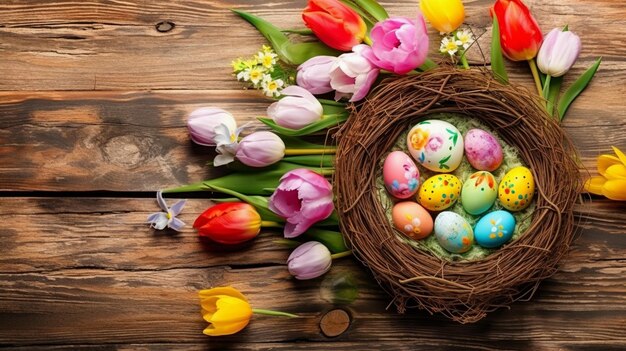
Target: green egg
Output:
[(479, 192)]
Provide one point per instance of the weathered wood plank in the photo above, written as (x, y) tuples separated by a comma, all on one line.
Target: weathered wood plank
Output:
[(92, 265), (99, 306), (99, 45), (137, 141), (50, 234)]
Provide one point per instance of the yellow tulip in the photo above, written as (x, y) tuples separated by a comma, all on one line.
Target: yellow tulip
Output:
[(228, 311), (612, 181), (445, 15)]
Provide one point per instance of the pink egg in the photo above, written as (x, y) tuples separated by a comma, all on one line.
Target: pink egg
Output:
[(400, 175), (412, 219), (482, 149)]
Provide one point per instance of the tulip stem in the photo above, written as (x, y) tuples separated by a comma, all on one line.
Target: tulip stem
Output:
[(341, 254), (274, 313), (270, 224), (367, 40), (323, 151), (533, 69)]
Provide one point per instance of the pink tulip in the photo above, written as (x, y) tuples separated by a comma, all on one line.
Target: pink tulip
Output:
[(314, 74), (297, 109), (399, 44), (309, 260), (260, 149), (303, 198), (558, 52), (353, 74), (202, 122)]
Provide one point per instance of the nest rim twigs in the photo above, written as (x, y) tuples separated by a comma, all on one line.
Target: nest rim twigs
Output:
[(466, 290)]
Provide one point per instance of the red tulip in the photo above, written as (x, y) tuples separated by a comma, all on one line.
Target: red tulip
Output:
[(520, 36), (334, 23), (229, 223)]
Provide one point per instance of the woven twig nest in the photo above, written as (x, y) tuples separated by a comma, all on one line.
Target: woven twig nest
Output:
[(464, 291)]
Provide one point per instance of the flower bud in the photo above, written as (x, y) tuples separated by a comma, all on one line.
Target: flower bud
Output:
[(558, 52), (309, 260), (314, 74), (445, 15), (229, 223), (202, 122), (260, 149), (334, 23), (297, 109)]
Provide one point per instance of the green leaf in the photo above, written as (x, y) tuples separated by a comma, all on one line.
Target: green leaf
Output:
[(373, 8), (259, 202), (555, 89), (331, 239), (327, 122), (325, 161), (298, 143), (332, 107), (427, 65), (367, 18), (303, 31), (497, 61), (576, 88), (249, 181), (291, 53)]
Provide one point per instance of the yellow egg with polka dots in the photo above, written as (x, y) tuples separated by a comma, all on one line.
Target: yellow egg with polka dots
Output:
[(439, 192), (516, 189)]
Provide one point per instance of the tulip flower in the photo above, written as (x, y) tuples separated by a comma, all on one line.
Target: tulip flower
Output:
[(520, 36), (399, 44), (260, 149), (297, 109), (309, 260), (445, 15), (202, 123), (558, 52), (314, 74), (229, 223), (228, 311), (334, 23), (612, 180), (303, 198), (353, 74)]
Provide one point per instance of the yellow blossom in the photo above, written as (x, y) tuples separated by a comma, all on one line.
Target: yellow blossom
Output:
[(444, 15), (226, 310), (612, 180)]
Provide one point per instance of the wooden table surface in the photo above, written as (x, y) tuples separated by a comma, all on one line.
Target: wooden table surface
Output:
[(93, 100)]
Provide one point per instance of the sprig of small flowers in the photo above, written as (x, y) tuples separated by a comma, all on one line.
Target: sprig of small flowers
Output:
[(456, 44), (262, 72)]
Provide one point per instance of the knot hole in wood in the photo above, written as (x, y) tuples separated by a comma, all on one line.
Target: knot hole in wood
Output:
[(335, 322), (165, 26)]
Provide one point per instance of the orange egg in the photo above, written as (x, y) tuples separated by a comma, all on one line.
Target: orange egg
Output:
[(412, 220)]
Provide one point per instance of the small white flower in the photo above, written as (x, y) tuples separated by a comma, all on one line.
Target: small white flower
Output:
[(226, 141), (449, 45), (271, 87), (465, 38), (267, 59)]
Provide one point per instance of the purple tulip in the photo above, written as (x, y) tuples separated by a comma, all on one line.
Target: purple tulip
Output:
[(309, 260), (314, 74), (353, 74), (202, 122), (558, 52), (399, 44), (303, 198), (297, 109), (260, 149)]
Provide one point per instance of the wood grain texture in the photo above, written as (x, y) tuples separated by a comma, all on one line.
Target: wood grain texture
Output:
[(94, 97), (92, 265)]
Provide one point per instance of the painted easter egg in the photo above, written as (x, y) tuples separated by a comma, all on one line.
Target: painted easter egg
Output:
[(494, 229), (436, 145), (516, 189), (479, 192), (482, 149), (439, 192), (400, 175), (453, 232), (412, 219)]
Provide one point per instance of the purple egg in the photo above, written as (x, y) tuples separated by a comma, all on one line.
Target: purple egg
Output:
[(482, 149)]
